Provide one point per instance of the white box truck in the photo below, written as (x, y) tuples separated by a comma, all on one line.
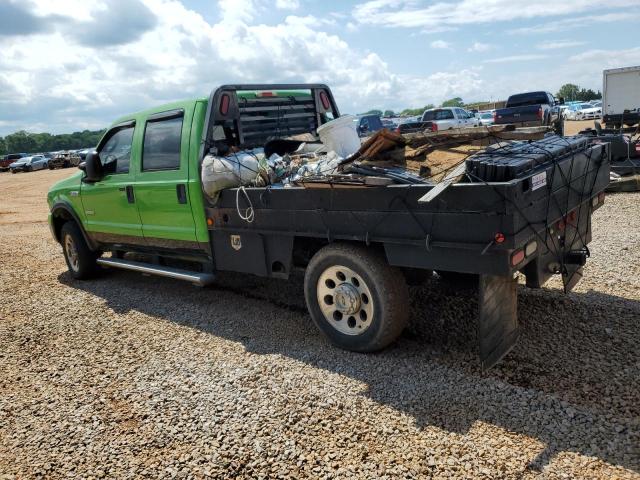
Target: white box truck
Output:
[(621, 97)]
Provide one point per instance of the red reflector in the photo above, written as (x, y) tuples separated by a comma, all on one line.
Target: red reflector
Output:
[(561, 224), (265, 94), (499, 238), (224, 104), (324, 99), (517, 257)]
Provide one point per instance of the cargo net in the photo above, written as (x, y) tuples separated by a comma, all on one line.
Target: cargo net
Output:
[(571, 164)]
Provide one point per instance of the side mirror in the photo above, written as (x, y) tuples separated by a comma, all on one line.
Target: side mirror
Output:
[(92, 167)]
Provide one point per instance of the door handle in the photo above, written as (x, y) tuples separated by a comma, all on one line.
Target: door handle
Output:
[(181, 192), (130, 197)]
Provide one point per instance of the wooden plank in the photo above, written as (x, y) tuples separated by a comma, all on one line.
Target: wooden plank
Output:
[(452, 177), (464, 135)]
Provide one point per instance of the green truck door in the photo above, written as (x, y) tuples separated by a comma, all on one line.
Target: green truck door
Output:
[(109, 205), (161, 187)]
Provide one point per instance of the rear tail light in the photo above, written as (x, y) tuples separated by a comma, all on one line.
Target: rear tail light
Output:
[(224, 104), (434, 127), (324, 99), (540, 113), (495, 115), (561, 225), (517, 257)]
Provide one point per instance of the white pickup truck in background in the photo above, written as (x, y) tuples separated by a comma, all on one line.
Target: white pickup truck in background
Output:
[(448, 118)]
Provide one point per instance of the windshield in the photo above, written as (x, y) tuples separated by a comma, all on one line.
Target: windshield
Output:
[(585, 105)]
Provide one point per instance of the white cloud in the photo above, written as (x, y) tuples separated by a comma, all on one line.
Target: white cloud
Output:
[(555, 45), (411, 14), (287, 4), (235, 10), (609, 58), (479, 47), (561, 25), (440, 44), (55, 82), (516, 58)]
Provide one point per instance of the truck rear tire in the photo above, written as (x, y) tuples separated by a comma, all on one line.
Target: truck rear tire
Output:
[(81, 261), (356, 298)]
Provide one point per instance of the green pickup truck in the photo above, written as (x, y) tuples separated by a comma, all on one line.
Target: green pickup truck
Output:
[(138, 203)]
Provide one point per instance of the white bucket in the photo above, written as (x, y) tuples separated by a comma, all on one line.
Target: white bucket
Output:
[(340, 135)]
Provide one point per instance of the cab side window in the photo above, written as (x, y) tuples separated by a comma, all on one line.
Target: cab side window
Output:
[(115, 154), (162, 144)]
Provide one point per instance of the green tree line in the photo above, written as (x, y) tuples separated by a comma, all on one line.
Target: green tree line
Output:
[(571, 92), (25, 142)]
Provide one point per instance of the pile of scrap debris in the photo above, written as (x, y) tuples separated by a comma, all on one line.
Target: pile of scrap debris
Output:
[(384, 158)]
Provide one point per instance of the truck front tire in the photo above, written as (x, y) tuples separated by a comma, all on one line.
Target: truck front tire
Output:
[(356, 298), (81, 261)]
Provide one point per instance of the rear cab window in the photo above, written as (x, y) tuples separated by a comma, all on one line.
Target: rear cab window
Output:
[(525, 99), (437, 115)]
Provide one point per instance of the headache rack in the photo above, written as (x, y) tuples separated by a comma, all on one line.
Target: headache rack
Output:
[(251, 115)]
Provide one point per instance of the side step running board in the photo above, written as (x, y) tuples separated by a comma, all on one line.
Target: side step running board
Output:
[(197, 278)]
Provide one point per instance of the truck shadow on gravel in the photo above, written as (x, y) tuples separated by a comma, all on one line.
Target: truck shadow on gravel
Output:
[(572, 381)]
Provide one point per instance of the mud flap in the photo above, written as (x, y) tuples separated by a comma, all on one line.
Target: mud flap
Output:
[(571, 276), (498, 323)]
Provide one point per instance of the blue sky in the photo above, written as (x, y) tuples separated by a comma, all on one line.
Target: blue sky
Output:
[(67, 65)]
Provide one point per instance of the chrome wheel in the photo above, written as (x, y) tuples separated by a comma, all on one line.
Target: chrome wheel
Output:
[(345, 300), (72, 253)]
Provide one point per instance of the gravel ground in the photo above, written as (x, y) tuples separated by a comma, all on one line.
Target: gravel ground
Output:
[(131, 376), (572, 127)]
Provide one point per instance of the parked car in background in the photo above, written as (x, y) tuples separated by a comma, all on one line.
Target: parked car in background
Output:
[(83, 153), (569, 112), (28, 164), (449, 118), (388, 123), (531, 109), (7, 160), (368, 124), (64, 160), (582, 111), (587, 111), (486, 118)]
